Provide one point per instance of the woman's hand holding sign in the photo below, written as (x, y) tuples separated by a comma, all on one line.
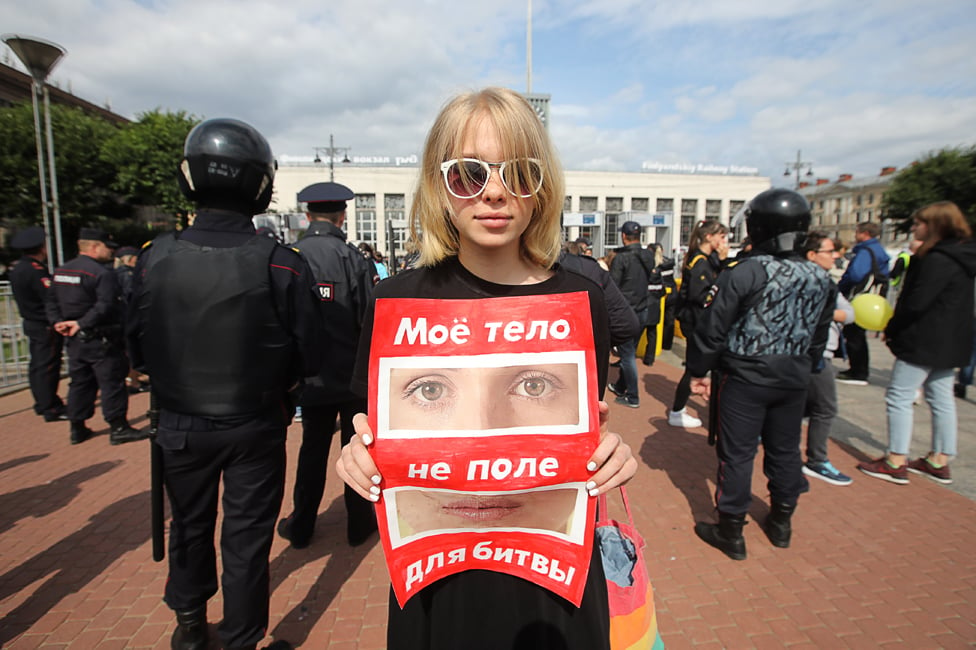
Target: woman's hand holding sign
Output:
[(355, 466), (613, 459)]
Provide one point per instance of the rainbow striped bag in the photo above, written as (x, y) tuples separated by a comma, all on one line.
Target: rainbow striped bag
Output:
[(633, 621)]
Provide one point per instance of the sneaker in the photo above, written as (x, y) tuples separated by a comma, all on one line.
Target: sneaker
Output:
[(827, 472), (937, 474), (682, 419), (881, 469), (632, 402), (853, 380), (619, 392)]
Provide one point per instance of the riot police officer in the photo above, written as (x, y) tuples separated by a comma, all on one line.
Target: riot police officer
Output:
[(764, 329), (344, 288), (223, 321), (84, 306), (30, 282)]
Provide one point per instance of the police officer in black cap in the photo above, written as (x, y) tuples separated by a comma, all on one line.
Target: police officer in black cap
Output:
[(30, 283), (344, 287), (125, 264), (764, 330), (224, 322), (84, 306), (631, 270)]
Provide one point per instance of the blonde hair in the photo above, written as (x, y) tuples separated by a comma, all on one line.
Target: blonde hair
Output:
[(522, 135)]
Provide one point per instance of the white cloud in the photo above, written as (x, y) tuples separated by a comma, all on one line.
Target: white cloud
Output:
[(856, 86)]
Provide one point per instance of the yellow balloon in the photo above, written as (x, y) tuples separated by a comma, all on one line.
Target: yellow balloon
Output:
[(871, 311)]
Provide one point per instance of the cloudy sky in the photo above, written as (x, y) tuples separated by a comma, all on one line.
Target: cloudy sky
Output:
[(855, 85)]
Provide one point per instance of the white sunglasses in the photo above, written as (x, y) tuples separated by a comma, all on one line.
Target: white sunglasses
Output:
[(466, 178)]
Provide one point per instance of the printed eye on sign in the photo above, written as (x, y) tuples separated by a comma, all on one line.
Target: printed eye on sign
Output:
[(485, 415)]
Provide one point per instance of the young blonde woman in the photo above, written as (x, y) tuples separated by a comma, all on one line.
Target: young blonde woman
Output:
[(488, 203)]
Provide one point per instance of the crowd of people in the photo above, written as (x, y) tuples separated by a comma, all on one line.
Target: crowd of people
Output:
[(233, 332)]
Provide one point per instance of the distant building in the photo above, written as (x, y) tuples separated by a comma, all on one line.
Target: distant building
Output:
[(667, 204), (840, 205), (15, 87)]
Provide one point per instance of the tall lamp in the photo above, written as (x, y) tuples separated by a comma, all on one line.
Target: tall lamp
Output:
[(797, 167), (40, 57), (331, 152)]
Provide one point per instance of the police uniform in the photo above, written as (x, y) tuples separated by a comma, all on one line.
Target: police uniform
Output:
[(631, 270), (344, 288), (764, 329), (123, 272), (224, 322), (85, 290), (30, 282)]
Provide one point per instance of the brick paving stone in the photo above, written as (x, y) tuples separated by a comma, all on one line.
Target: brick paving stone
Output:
[(871, 564), (87, 640), (148, 635)]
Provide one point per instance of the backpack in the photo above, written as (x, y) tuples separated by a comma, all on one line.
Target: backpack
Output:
[(874, 282)]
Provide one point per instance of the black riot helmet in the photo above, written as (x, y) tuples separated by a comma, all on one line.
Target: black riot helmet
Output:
[(777, 221), (227, 163)]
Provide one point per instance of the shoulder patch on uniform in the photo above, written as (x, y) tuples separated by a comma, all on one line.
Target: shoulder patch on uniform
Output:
[(324, 291)]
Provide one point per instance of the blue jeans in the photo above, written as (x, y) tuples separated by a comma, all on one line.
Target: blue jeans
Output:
[(628, 362), (906, 378)]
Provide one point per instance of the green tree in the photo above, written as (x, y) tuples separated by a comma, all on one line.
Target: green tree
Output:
[(946, 175), (146, 154), (84, 179)]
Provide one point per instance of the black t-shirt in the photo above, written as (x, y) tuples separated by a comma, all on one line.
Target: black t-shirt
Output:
[(485, 610)]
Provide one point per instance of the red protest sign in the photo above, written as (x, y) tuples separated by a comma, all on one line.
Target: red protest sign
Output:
[(485, 415)]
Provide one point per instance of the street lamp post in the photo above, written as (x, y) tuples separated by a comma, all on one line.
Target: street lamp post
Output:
[(797, 166), (40, 57), (331, 152)]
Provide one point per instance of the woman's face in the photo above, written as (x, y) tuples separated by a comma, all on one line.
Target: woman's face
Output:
[(420, 511), (719, 241), (494, 220), (484, 398), (920, 229)]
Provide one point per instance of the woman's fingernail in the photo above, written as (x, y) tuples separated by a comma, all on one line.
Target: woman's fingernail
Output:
[(594, 492), (590, 485), (374, 489), (367, 439), (591, 465), (374, 498), (375, 479)]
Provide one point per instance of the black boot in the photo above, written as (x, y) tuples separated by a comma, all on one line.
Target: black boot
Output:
[(777, 525), (79, 432), (191, 629), (121, 432), (726, 535)]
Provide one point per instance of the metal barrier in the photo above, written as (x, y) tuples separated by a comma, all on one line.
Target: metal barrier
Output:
[(16, 351)]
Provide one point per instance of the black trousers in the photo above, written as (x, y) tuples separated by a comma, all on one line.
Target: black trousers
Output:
[(44, 369), (95, 366), (318, 427), (748, 414), (856, 340), (251, 460)]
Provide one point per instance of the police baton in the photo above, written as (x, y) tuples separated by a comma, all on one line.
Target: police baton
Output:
[(156, 483), (713, 408)]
